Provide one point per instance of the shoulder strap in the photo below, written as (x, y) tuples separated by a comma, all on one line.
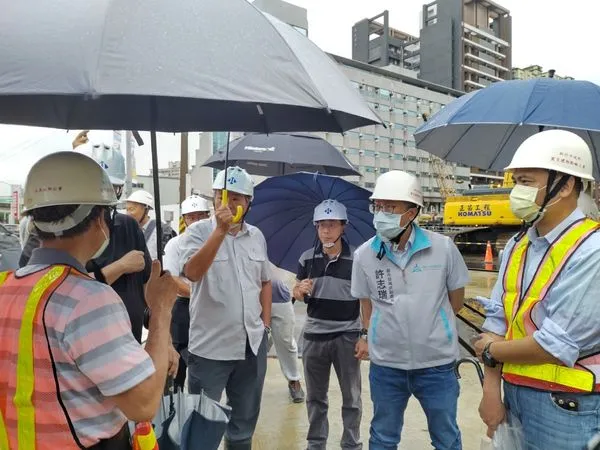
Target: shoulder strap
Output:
[(149, 230), (4, 276)]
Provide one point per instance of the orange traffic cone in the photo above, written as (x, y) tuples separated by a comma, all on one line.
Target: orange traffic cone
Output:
[(489, 258)]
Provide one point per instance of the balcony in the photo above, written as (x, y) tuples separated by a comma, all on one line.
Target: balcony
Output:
[(488, 36)]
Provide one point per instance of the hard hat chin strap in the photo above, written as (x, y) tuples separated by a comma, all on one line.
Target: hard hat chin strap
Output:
[(66, 223), (550, 194)]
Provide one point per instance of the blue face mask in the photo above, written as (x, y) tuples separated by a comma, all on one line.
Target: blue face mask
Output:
[(388, 224)]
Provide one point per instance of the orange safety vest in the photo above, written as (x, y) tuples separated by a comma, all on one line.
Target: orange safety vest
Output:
[(31, 414), (519, 302)]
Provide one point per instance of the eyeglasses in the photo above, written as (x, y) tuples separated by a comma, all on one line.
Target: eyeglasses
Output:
[(388, 209)]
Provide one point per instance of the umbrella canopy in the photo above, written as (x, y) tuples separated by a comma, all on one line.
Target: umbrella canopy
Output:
[(167, 66), (485, 127), (283, 153), (190, 65), (283, 207)]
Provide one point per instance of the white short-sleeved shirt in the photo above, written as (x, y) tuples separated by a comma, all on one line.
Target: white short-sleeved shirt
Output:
[(412, 324), (225, 304)]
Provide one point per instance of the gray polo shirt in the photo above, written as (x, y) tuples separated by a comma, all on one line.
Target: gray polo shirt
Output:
[(412, 324), (225, 304)]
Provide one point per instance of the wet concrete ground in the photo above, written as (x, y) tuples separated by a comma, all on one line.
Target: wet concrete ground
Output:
[(283, 425)]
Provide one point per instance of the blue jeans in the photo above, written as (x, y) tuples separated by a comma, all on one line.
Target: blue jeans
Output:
[(436, 389), (548, 426)]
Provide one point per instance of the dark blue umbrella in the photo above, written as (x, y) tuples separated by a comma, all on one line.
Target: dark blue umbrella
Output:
[(485, 127), (283, 210), (283, 153)]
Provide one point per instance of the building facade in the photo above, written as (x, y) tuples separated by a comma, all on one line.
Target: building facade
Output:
[(293, 15), (535, 71), (400, 101), (171, 171), (375, 42), (465, 44)]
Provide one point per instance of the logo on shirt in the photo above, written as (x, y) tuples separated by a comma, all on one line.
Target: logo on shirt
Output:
[(425, 268), (383, 283)]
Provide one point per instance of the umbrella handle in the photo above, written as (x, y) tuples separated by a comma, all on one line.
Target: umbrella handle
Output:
[(240, 211)]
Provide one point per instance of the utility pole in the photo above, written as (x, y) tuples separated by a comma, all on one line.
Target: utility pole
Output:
[(183, 167), (128, 164)]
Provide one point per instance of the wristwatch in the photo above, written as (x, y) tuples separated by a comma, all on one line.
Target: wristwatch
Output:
[(364, 334), (487, 358)]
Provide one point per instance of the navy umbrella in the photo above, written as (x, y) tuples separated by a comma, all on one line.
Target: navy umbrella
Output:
[(283, 153), (283, 207), (485, 127)]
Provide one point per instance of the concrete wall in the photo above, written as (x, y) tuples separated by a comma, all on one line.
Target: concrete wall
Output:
[(442, 40), (437, 54), (286, 12)]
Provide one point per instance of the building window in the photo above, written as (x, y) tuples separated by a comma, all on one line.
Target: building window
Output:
[(431, 10), (302, 31), (370, 185)]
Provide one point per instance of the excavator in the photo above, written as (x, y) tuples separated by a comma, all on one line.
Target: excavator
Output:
[(479, 215)]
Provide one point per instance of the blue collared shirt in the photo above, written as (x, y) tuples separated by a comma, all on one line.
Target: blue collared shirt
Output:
[(568, 317)]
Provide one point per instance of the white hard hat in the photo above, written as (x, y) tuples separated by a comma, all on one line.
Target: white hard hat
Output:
[(588, 206), (143, 197), (238, 180), (194, 203), (330, 210), (109, 158), (399, 186), (67, 178), (559, 150)]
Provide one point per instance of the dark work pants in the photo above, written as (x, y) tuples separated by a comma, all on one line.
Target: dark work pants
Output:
[(180, 333), (242, 381)]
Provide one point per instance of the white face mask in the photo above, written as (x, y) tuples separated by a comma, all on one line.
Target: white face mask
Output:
[(388, 224), (103, 246), (522, 202)]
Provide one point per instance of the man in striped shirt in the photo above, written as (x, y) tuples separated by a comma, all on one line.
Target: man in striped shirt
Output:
[(69, 353), (332, 327)]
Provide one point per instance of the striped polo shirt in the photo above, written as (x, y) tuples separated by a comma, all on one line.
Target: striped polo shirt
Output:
[(94, 351), (331, 309)]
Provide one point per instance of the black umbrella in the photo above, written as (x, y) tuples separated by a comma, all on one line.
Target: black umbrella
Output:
[(204, 65), (283, 153)]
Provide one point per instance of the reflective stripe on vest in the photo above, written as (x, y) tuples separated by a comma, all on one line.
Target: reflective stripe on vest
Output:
[(25, 366), (519, 301), (3, 434)]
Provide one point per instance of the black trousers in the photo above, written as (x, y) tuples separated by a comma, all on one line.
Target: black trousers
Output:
[(180, 334)]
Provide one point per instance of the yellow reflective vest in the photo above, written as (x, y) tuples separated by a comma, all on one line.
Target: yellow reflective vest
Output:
[(519, 302)]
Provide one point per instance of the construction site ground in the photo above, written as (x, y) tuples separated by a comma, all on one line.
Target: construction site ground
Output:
[(283, 425)]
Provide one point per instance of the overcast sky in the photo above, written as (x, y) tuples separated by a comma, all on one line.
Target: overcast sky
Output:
[(555, 34)]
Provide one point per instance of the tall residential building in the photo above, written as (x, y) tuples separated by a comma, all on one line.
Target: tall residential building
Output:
[(465, 44), (536, 72), (375, 42), (400, 101)]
